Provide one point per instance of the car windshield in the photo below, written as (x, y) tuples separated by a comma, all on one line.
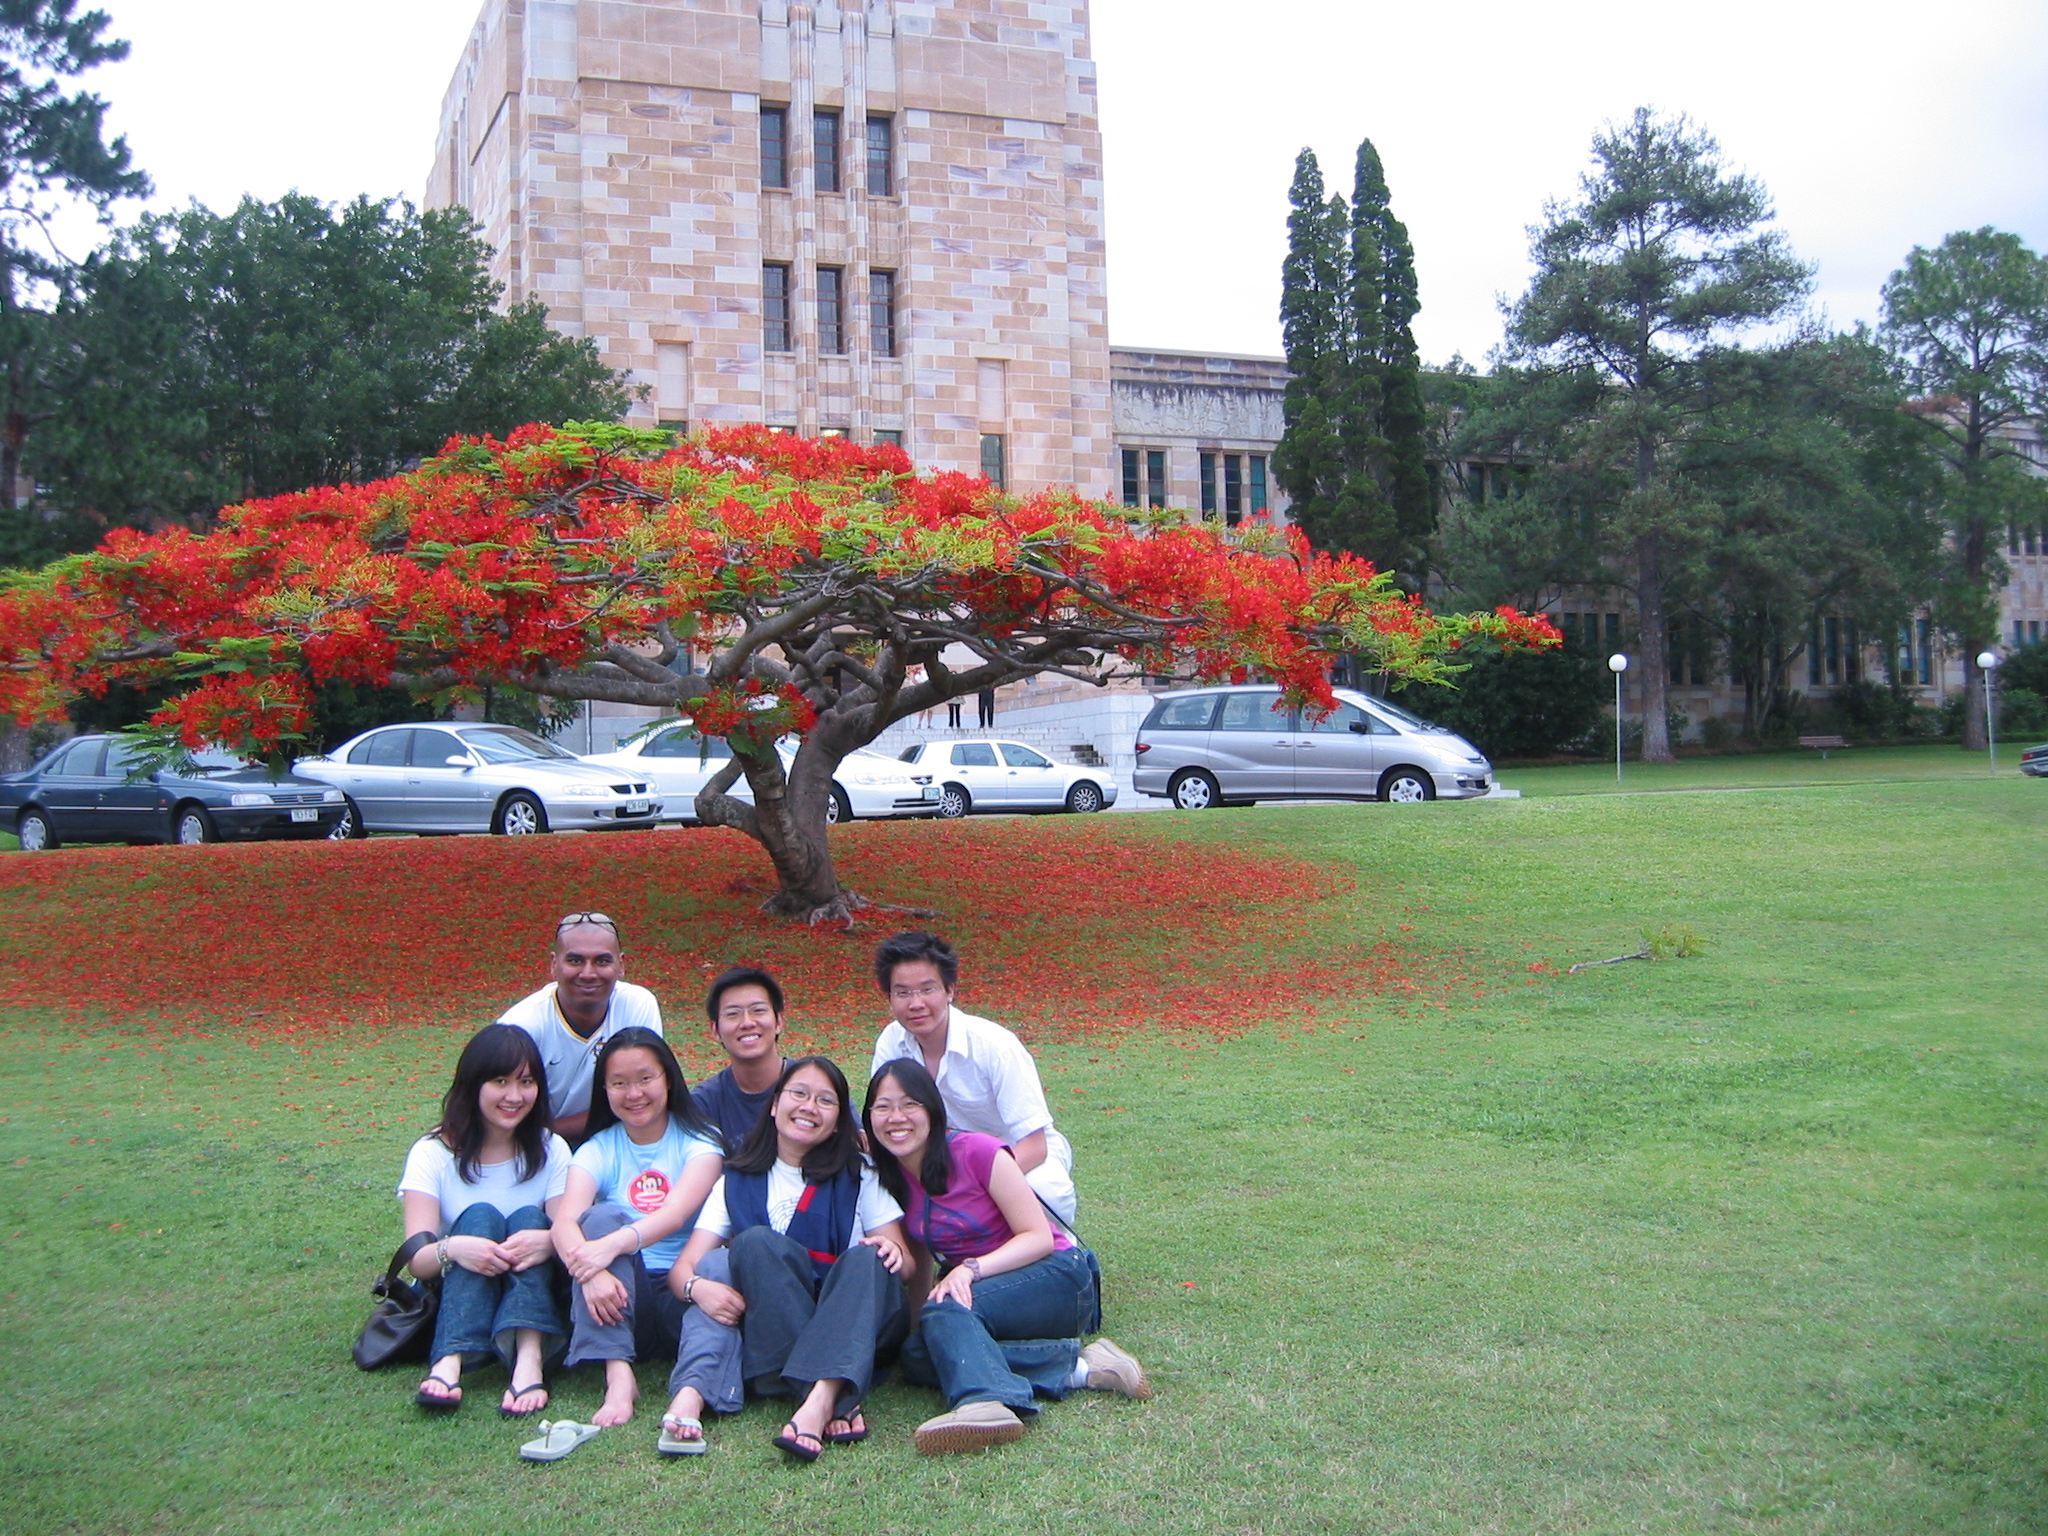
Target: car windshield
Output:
[(509, 744), (1396, 712)]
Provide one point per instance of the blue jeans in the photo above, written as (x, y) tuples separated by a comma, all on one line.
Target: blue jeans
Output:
[(1019, 1342), (480, 1313)]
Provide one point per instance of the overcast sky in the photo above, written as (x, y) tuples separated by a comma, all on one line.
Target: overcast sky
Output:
[(1876, 125)]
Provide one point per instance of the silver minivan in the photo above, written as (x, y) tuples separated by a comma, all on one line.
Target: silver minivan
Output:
[(1233, 746)]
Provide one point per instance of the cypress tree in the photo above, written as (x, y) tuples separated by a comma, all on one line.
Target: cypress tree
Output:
[(1402, 460), (1351, 459), (1309, 460)]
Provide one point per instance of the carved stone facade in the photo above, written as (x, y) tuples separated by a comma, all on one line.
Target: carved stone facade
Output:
[(937, 229)]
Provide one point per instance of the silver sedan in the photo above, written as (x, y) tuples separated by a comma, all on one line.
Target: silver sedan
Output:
[(476, 778)]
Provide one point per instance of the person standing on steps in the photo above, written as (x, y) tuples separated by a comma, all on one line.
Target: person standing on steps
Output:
[(986, 1074), (985, 702), (587, 1000)]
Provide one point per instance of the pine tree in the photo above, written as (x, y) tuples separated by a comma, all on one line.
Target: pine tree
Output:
[(51, 147)]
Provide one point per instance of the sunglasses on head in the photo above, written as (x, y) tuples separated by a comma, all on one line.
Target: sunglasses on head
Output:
[(579, 919)]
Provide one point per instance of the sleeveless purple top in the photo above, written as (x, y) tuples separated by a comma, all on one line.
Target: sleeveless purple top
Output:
[(966, 1222)]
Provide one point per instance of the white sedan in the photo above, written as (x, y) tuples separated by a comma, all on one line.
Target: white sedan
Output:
[(1007, 776), (678, 762)]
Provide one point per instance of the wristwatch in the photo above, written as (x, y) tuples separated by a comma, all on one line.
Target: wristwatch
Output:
[(441, 1249), (689, 1285), (972, 1266)]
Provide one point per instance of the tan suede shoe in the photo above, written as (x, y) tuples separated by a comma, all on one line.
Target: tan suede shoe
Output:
[(970, 1427), (1111, 1370)]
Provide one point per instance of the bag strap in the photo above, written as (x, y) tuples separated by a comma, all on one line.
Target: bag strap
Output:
[(408, 1251), (1060, 1221)]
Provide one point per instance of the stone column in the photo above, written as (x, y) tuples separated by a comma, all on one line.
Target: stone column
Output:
[(803, 163)]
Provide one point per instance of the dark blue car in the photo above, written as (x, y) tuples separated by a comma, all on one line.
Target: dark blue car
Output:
[(82, 792)]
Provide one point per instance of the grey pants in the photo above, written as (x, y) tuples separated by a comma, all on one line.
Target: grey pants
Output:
[(797, 1331), (708, 1357), (653, 1313)]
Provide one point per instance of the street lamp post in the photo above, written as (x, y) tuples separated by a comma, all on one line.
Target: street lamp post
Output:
[(1617, 664), (1986, 660)]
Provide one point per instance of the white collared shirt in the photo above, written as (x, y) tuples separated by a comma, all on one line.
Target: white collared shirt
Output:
[(990, 1084), (570, 1059)]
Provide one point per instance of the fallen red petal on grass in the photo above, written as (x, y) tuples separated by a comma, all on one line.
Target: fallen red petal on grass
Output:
[(1095, 929)]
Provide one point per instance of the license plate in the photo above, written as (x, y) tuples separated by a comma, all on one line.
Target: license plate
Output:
[(637, 807), (305, 815), (930, 792)]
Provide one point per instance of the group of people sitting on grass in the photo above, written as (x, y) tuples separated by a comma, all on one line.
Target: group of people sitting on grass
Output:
[(752, 1229)]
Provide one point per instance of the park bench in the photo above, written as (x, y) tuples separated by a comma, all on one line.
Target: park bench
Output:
[(1824, 743)]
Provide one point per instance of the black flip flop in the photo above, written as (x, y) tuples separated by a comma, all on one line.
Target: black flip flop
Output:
[(435, 1404), (526, 1413), (792, 1441), (851, 1436)]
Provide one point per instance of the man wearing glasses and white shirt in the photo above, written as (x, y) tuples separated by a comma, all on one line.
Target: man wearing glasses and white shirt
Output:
[(985, 1075), (586, 1003)]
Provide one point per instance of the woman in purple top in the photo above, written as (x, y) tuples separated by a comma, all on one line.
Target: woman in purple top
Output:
[(1000, 1324)]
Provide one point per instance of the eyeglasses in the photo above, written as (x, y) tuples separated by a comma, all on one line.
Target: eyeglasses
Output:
[(913, 994), (739, 1012), (578, 919), (823, 1102)]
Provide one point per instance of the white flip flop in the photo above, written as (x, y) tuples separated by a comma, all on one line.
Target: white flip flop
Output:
[(670, 1445), (558, 1438)]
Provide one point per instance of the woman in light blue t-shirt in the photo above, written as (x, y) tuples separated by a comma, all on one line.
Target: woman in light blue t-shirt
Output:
[(633, 1194)]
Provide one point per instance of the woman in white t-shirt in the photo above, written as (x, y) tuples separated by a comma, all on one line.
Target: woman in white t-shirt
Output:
[(482, 1186), (817, 1256), (634, 1188)]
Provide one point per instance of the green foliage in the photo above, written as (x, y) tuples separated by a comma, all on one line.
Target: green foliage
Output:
[(207, 358), (340, 710), (1673, 942), (2026, 668), (1353, 457), (1518, 703), (1967, 324)]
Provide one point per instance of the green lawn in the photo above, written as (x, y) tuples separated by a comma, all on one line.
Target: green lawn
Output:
[(1748, 1242), (1772, 770)]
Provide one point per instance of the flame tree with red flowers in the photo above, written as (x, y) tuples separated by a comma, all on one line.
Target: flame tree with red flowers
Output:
[(762, 584)]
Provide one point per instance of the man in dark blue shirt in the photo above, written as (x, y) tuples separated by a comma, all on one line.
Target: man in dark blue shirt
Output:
[(745, 1009)]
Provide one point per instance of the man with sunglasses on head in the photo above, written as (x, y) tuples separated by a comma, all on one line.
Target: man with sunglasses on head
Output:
[(745, 1009), (586, 1002), (983, 1071)]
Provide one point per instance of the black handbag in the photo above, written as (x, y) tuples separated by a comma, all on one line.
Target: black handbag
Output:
[(401, 1325)]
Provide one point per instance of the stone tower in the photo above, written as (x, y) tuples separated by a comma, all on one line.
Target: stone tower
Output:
[(877, 217)]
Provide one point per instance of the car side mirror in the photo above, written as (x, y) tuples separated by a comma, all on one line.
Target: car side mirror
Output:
[(457, 760), (1361, 727)]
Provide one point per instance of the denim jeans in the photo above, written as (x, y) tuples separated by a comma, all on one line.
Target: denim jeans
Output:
[(479, 1313), (1020, 1341), (652, 1315)]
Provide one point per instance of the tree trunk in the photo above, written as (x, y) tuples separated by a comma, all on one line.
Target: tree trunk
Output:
[(1656, 669), (1976, 735), (789, 822)]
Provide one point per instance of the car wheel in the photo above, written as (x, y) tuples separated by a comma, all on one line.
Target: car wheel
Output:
[(519, 815), (954, 802), (1085, 797), (193, 826), (350, 827), (1407, 786), (1194, 790), (36, 833), (838, 808)]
